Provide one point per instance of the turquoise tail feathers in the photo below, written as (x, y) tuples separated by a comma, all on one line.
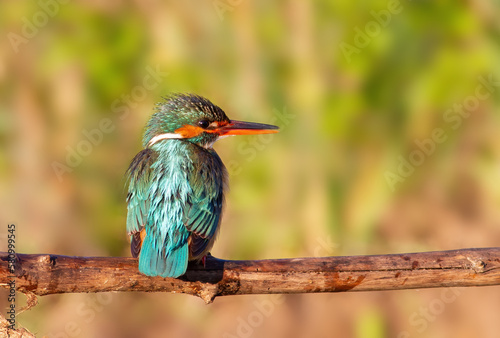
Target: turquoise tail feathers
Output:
[(163, 262)]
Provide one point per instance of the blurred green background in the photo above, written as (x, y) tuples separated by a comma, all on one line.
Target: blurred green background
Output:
[(355, 88)]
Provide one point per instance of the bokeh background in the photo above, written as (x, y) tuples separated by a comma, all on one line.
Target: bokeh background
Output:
[(353, 85)]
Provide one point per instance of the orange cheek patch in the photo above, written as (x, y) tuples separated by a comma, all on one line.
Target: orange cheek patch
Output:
[(189, 131)]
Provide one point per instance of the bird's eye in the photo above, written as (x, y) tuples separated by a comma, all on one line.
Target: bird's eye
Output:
[(204, 124)]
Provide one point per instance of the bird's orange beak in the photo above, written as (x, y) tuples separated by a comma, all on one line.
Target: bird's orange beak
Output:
[(246, 128)]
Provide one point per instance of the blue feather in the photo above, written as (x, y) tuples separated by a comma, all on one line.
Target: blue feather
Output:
[(177, 194)]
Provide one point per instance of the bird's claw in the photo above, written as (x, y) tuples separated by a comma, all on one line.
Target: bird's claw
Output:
[(204, 259)]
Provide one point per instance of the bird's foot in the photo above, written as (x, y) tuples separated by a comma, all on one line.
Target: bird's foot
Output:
[(204, 259)]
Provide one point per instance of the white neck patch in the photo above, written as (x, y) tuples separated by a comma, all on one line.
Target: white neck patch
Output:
[(164, 137)]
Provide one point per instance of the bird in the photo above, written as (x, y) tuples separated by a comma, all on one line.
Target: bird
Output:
[(176, 184)]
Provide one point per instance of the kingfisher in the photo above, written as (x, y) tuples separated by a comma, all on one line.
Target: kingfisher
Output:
[(177, 182)]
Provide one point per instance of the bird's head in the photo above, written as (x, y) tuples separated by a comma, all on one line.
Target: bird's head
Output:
[(197, 120)]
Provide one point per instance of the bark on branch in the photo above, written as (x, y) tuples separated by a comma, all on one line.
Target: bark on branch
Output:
[(44, 274)]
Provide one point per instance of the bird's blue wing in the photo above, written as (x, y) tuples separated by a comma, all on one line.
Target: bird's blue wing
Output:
[(203, 210), (139, 176)]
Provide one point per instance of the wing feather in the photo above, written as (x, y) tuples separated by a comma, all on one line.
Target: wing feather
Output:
[(139, 176), (204, 206)]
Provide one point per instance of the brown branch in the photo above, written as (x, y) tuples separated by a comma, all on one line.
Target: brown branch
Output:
[(6, 331), (52, 274)]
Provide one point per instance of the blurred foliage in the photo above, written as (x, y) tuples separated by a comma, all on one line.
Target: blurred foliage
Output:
[(318, 188)]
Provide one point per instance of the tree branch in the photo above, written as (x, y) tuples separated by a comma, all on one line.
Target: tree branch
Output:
[(52, 274)]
